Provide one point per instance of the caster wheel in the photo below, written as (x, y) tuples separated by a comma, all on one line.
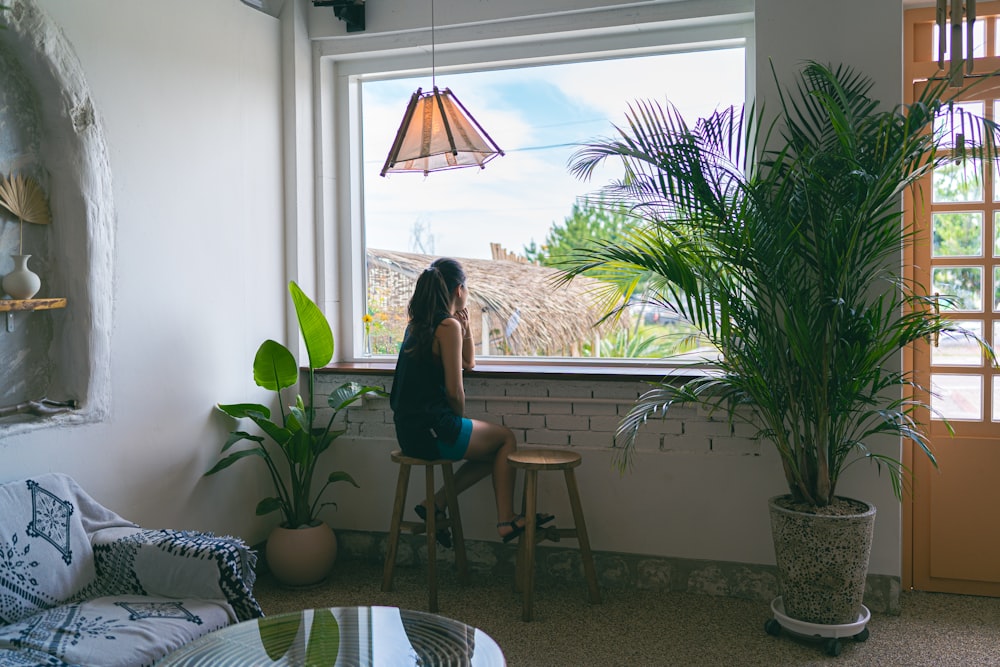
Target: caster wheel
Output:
[(832, 647), (772, 627), (861, 636)]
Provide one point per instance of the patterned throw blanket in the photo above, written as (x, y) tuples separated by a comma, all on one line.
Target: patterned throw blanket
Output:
[(80, 585)]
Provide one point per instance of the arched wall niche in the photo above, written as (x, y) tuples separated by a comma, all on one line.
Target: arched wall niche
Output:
[(49, 129)]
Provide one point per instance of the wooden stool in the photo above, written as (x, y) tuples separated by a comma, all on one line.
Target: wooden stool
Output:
[(454, 521), (532, 461)]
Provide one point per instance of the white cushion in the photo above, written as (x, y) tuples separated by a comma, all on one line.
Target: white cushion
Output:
[(119, 631)]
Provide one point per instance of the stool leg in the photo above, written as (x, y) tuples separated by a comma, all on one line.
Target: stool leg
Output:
[(521, 544), (402, 482), (455, 520), (432, 593), (528, 538), (581, 535)]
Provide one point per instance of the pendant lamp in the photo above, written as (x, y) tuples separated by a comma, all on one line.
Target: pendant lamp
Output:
[(438, 132)]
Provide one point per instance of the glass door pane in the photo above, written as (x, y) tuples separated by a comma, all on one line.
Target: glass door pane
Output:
[(954, 183), (960, 286), (958, 234), (956, 397), (959, 348)]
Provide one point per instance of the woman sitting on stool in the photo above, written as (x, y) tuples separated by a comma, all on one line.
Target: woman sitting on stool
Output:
[(428, 397)]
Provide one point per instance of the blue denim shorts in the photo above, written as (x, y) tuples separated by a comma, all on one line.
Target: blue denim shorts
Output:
[(456, 450)]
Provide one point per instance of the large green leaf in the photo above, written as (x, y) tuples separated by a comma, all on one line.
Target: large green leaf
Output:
[(278, 633), (240, 436), (297, 418), (299, 448), (241, 410), (279, 434), (233, 458), (324, 639), (349, 392), (274, 367), (325, 439), (268, 505), (315, 328), (341, 476)]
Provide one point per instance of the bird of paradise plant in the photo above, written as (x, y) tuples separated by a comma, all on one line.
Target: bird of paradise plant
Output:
[(300, 436)]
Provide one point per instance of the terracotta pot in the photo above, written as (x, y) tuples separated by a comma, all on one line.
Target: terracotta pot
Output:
[(301, 556), (822, 559)]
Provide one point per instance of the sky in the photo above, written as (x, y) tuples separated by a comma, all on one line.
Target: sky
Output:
[(538, 116)]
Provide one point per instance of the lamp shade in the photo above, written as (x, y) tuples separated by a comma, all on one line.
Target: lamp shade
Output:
[(438, 133)]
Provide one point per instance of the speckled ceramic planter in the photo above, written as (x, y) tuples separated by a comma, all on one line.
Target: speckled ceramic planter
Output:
[(822, 558)]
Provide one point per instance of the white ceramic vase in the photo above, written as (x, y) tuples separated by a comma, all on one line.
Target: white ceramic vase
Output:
[(22, 282)]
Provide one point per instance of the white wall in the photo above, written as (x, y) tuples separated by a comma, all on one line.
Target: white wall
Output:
[(189, 96)]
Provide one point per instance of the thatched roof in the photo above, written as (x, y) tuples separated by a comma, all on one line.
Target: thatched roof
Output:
[(520, 302)]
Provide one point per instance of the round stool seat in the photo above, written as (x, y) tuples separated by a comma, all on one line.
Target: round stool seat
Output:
[(544, 459), (399, 457)]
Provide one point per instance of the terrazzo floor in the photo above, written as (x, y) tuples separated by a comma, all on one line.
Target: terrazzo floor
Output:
[(639, 628)]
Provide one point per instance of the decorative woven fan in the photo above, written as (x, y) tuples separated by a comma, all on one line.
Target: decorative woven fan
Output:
[(23, 197)]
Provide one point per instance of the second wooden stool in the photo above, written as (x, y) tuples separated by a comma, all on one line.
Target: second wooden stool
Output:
[(532, 461), (433, 524)]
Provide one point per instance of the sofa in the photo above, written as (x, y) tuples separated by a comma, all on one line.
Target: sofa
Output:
[(80, 585)]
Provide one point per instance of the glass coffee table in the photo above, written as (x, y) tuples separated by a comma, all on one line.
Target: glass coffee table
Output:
[(343, 636)]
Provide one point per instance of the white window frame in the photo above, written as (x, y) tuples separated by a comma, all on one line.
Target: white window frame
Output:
[(340, 191)]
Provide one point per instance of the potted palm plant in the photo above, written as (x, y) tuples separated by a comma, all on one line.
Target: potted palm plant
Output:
[(780, 242), (302, 548)]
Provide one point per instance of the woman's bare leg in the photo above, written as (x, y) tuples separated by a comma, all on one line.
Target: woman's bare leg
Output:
[(489, 446), (491, 443)]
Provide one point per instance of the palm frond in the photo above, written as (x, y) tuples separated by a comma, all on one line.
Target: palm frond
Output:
[(22, 196), (779, 240)]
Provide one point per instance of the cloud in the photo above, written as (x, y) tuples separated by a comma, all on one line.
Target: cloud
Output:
[(697, 82), (529, 112)]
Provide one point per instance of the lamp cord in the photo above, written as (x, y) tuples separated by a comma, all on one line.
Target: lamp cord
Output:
[(433, 75)]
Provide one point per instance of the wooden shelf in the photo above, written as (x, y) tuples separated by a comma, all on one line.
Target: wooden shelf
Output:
[(10, 306), (23, 305)]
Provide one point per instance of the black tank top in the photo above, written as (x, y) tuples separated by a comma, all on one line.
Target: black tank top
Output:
[(419, 400)]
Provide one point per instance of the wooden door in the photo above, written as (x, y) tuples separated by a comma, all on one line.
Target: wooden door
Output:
[(956, 509)]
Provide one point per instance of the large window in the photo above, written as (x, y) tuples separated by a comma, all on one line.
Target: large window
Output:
[(508, 222)]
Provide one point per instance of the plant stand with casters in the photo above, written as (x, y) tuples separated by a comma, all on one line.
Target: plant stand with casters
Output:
[(831, 634)]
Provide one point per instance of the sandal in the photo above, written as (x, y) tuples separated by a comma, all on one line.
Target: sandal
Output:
[(443, 535), (540, 520), (516, 530)]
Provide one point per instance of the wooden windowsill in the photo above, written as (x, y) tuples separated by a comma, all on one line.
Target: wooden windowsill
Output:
[(524, 370)]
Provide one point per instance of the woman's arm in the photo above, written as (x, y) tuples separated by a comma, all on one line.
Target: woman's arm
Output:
[(449, 337), (468, 345)]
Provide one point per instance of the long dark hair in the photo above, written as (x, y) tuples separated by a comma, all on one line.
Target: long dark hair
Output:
[(431, 296)]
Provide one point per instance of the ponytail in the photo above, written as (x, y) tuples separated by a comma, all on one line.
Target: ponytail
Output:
[(432, 295)]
